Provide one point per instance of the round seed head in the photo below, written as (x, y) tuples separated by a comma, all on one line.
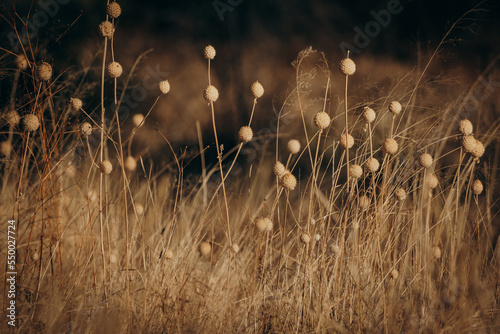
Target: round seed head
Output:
[(426, 160), (5, 148), (477, 187), (364, 202), (257, 89), (13, 118), (322, 120), (114, 10), (76, 104), (478, 150), (372, 165), (465, 127), (288, 181), (138, 120), (235, 248), (395, 107), (335, 249), (21, 62), (44, 71), (86, 129), (106, 167), (400, 194), (346, 141), (115, 70), (347, 66), (264, 225), (211, 94), (245, 134), (436, 252), (317, 237), (130, 164), (106, 29), (390, 146), (469, 144), (369, 114), (139, 208), (355, 171), (31, 122), (432, 181), (293, 146), (279, 169), (164, 86), (209, 52), (305, 238), (35, 256), (205, 248), (394, 274), (169, 254)]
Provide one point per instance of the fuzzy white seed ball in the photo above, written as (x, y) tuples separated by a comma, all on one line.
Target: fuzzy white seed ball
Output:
[(115, 70), (369, 114), (76, 104), (13, 118), (288, 181), (293, 146), (106, 167), (5, 148), (106, 29), (138, 120), (209, 52), (130, 164), (279, 169), (400, 194), (86, 129), (317, 237), (164, 86), (347, 66), (305, 238), (322, 120), (257, 89), (235, 248), (465, 127), (264, 225), (390, 146), (205, 248), (394, 274), (477, 187), (211, 94), (346, 141), (21, 62), (469, 144), (113, 10), (364, 202), (372, 165), (44, 71), (426, 160), (245, 134), (436, 252), (139, 208), (31, 122), (169, 254), (355, 171), (432, 181), (478, 150), (395, 107)]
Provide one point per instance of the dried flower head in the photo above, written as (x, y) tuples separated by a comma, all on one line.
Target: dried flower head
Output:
[(347, 66), (477, 187), (305, 238), (115, 70), (209, 52), (264, 225), (139, 208), (293, 146), (5, 148), (44, 71), (400, 194), (436, 252), (469, 143), (130, 163), (390, 146), (235, 248), (369, 114), (279, 169), (138, 120), (164, 86), (372, 165), (478, 150), (13, 118), (426, 160), (205, 248), (113, 10), (432, 181), (211, 94), (355, 171), (465, 127), (86, 129), (288, 181), (346, 141), (245, 134), (31, 122), (76, 104), (169, 254), (322, 120), (395, 107), (257, 89), (364, 202), (106, 167), (394, 274), (21, 62), (106, 29)]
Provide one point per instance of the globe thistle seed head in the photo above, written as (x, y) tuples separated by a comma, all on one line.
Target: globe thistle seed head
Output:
[(436, 252), (477, 187), (469, 144), (346, 141), (390, 146), (257, 89), (21, 62), (364, 202), (76, 104), (31, 122), (432, 181), (205, 248), (400, 194), (235, 248), (293, 146), (395, 108), (139, 208), (478, 150), (264, 225), (130, 164), (138, 120), (44, 71), (279, 169), (394, 274), (169, 254), (13, 118), (115, 70), (355, 171), (288, 181), (369, 114), (322, 120), (245, 134), (113, 10), (209, 52), (465, 127), (347, 66), (5, 148), (164, 86), (305, 238), (106, 167), (86, 129), (426, 160), (372, 165), (106, 29), (211, 94)]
